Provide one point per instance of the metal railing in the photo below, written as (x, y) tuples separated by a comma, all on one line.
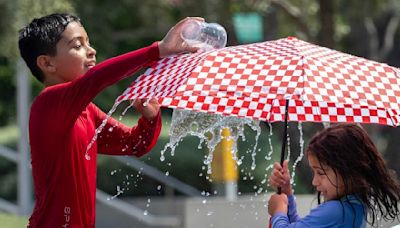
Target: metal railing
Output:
[(12, 156), (117, 204), (159, 176), (137, 213)]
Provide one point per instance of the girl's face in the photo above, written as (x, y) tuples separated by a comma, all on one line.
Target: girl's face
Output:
[(325, 180)]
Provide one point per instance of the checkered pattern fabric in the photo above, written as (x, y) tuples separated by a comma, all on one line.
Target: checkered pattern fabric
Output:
[(254, 81)]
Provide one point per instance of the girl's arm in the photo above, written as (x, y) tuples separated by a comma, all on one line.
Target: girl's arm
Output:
[(292, 209), (328, 214)]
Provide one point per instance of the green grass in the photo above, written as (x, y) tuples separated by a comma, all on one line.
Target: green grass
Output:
[(9, 135), (13, 221)]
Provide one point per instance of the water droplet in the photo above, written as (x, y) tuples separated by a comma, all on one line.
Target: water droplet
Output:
[(100, 128), (146, 102), (301, 155)]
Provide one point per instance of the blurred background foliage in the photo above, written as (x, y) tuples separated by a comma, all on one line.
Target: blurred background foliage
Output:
[(369, 29)]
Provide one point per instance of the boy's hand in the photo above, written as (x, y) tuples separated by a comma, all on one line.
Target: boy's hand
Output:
[(280, 177), (278, 203), (149, 110), (173, 42)]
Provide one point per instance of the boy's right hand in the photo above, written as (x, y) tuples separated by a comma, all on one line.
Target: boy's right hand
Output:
[(280, 177), (173, 42)]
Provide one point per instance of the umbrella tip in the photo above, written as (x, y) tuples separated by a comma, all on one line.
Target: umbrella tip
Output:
[(291, 38)]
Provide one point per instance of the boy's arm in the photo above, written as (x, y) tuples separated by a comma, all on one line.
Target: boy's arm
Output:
[(119, 139), (73, 97)]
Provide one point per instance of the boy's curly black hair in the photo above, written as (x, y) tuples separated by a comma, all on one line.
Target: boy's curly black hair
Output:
[(40, 37)]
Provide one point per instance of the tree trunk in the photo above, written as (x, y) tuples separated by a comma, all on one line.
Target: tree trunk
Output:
[(327, 29)]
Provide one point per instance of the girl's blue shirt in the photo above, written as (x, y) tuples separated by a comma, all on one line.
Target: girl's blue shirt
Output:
[(346, 212)]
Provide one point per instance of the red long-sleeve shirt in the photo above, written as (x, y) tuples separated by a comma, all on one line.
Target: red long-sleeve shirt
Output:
[(62, 123)]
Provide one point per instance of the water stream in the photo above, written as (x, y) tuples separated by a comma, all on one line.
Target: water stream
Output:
[(208, 128)]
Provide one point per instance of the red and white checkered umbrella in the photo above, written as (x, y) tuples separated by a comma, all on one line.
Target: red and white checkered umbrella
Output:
[(255, 80)]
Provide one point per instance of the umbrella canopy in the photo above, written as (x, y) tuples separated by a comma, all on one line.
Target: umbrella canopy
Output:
[(256, 81)]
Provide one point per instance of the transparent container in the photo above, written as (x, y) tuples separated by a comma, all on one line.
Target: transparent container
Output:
[(206, 36)]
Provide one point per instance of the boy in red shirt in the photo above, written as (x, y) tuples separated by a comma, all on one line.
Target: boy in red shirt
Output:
[(63, 118)]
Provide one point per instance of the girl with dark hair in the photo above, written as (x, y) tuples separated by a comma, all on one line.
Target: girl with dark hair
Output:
[(349, 173)]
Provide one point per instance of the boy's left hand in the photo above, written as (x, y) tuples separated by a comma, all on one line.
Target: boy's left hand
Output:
[(278, 203), (148, 109), (173, 43)]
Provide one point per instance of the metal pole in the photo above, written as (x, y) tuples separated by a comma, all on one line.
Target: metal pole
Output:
[(224, 169), (231, 190), (24, 176)]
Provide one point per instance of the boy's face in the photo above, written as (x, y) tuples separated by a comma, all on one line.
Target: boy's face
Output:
[(74, 55), (325, 179)]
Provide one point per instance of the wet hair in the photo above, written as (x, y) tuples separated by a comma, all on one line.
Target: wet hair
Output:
[(40, 37), (349, 151)]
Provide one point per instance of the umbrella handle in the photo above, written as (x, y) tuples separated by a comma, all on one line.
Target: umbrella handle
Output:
[(284, 139)]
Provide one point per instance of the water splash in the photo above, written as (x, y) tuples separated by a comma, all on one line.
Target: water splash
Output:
[(148, 203), (125, 110), (119, 192), (100, 129), (288, 145), (208, 128), (271, 149), (267, 158), (257, 129), (301, 155)]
